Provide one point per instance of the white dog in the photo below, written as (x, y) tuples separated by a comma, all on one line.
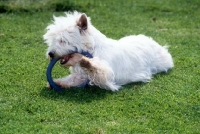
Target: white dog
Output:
[(115, 63)]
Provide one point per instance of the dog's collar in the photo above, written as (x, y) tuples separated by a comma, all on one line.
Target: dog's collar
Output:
[(85, 53)]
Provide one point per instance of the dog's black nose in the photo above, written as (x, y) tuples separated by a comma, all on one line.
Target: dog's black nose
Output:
[(51, 54)]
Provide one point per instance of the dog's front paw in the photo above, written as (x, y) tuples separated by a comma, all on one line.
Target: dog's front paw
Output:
[(71, 60), (85, 63), (58, 82), (48, 86), (61, 83)]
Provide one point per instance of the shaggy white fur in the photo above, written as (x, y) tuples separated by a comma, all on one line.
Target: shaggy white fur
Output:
[(117, 62)]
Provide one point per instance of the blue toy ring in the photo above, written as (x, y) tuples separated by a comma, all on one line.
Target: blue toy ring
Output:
[(49, 70)]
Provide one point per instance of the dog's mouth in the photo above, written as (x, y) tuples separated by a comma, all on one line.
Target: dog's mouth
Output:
[(65, 59)]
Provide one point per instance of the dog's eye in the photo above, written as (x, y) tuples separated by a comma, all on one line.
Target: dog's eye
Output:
[(62, 42)]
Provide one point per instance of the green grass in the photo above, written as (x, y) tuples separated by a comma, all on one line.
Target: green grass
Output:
[(170, 103), (37, 5)]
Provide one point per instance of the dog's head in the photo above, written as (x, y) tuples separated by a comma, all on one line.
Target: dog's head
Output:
[(69, 34)]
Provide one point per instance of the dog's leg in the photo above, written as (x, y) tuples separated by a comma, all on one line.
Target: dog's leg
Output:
[(70, 81), (99, 73)]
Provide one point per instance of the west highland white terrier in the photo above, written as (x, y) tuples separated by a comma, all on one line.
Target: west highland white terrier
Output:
[(132, 58)]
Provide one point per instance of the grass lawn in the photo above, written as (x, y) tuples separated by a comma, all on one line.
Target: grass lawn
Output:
[(170, 103)]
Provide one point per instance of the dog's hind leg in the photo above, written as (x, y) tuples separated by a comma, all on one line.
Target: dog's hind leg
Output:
[(99, 73), (163, 61)]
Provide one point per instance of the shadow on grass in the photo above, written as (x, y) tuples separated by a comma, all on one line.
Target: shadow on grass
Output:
[(80, 95), (86, 95), (163, 74), (89, 94)]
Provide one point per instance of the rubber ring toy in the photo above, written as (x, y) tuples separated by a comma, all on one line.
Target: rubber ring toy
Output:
[(49, 70)]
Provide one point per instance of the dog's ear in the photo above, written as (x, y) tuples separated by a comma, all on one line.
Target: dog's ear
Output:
[(82, 22)]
